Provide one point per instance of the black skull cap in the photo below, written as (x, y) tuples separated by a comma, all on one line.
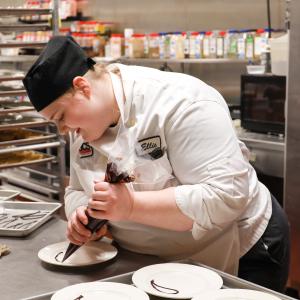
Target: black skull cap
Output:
[(53, 72)]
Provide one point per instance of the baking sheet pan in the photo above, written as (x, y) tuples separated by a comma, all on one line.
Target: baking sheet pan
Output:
[(21, 136), (21, 218), (23, 159), (229, 281), (7, 194), (4, 110), (23, 122)]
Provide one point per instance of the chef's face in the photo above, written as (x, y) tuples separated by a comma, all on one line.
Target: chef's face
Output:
[(87, 112)]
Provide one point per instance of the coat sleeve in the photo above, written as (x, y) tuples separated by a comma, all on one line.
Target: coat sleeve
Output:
[(206, 159), (74, 195)]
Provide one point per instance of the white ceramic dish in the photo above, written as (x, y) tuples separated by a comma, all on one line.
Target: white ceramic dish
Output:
[(89, 254), (176, 280), (235, 294), (100, 290)]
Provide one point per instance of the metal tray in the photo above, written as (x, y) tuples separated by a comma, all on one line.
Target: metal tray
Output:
[(17, 121), (20, 109), (229, 281), (34, 214), (45, 158), (8, 194), (36, 136)]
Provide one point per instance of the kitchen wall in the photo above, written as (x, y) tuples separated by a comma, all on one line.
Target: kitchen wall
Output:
[(171, 15), (182, 15)]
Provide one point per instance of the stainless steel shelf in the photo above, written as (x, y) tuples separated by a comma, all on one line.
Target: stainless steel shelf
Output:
[(11, 78), (25, 193), (25, 27), (25, 124), (31, 184), (40, 170), (19, 173), (168, 60), (23, 140), (13, 93), (24, 11), (22, 44), (30, 147), (18, 58), (16, 110), (185, 60)]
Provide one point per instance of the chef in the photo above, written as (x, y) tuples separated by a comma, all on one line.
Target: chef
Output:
[(195, 194)]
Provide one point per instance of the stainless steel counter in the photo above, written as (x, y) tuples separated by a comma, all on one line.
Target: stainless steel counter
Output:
[(23, 275), (267, 152)]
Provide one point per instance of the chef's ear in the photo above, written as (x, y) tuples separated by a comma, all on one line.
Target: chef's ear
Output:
[(80, 83)]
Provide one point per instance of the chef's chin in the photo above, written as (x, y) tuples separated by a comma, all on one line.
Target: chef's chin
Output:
[(89, 139)]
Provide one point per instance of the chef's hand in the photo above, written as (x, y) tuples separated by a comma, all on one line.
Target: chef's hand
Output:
[(111, 201), (77, 233)]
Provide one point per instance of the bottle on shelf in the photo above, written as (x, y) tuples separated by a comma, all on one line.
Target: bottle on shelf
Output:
[(138, 45), (162, 36), (128, 32), (249, 45), (176, 46), (116, 45), (154, 45), (206, 44), (186, 44), (221, 44), (241, 45), (232, 38), (167, 45), (258, 41), (213, 44)]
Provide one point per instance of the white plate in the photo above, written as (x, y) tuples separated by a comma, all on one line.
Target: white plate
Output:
[(175, 280), (89, 254), (235, 294), (100, 290), (8, 194)]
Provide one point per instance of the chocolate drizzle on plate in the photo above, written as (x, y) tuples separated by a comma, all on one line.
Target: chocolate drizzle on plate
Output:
[(163, 289), (79, 297), (57, 257)]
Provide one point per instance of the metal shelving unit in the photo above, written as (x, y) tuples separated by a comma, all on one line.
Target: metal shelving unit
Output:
[(34, 164)]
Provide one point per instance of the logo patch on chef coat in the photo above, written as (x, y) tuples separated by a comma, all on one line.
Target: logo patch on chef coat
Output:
[(150, 146), (86, 150)]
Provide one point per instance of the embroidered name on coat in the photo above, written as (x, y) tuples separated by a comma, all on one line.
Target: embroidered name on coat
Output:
[(86, 150), (150, 146)]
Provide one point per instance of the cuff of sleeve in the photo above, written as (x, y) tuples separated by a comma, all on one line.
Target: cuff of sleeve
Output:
[(183, 203)]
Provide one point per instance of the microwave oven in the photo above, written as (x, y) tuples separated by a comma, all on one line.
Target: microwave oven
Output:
[(263, 103)]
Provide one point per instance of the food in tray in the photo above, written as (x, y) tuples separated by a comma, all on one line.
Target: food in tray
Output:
[(4, 250), (20, 157), (18, 134), (20, 221)]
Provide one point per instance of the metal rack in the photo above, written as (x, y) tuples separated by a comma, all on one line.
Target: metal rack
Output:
[(40, 174)]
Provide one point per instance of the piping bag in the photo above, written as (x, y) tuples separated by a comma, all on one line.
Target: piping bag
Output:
[(112, 175)]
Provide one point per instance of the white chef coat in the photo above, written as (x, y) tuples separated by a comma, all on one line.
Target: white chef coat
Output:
[(214, 183)]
